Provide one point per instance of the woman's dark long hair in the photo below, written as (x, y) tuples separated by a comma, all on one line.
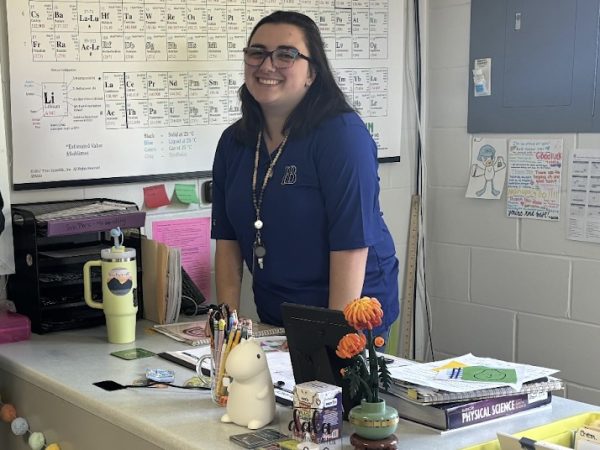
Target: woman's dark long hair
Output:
[(323, 99)]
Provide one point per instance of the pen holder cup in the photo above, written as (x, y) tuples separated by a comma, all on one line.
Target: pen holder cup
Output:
[(217, 378)]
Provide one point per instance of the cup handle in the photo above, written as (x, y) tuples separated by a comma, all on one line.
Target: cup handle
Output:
[(204, 378), (87, 284)]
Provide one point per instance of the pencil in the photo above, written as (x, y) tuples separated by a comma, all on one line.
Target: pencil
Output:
[(218, 348), (224, 356), (237, 337)]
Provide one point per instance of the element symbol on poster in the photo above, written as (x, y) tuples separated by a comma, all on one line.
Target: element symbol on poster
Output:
[(488, 168)]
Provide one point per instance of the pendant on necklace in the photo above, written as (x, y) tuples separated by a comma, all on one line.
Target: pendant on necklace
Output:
[(259, 252), (258, 224)]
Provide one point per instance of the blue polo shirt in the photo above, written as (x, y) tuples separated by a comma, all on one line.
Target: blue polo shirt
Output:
[(323, 196)]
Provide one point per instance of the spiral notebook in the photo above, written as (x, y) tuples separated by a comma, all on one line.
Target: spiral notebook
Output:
[(431, 397), (193, 333)]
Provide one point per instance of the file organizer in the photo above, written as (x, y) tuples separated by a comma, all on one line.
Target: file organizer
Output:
[(559, 432), (52, 242)]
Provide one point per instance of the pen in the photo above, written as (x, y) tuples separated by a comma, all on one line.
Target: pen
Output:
[(234, 316), (208, 330), (249, 328), (191, 355), (237, 337), (219, 347)]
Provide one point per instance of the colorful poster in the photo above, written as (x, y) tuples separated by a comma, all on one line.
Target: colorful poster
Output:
[(192, 237), (488, 168), (584, 196), (534, 174)]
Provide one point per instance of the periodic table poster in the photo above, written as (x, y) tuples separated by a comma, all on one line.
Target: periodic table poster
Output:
[(107, 90)]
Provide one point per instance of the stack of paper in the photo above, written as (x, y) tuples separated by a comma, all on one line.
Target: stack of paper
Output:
[(425, 383), (467, 390)]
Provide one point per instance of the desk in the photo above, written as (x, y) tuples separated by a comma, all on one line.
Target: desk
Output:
[(49, 379)]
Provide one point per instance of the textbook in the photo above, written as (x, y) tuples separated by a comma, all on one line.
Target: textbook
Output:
[(193, 333), (450, 416), (419, 396)]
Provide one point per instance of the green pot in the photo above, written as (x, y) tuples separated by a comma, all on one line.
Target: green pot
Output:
[(373, 420)]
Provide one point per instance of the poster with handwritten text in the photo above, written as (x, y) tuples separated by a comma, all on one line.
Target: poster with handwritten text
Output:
[(534, 175)]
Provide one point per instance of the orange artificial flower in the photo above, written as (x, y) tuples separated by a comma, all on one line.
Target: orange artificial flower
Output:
[(379, 342), (351, 345), (364, 313)]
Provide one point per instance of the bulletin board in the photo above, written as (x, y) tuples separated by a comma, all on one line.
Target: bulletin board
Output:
[(108, 91)]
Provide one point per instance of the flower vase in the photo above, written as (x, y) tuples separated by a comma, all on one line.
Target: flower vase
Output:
[(374, 421)]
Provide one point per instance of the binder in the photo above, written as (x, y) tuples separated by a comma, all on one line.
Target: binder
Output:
[(161, 278), (436, 397), (149, 275)]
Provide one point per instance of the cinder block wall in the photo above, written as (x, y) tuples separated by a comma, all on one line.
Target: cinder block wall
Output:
[(513, 289)]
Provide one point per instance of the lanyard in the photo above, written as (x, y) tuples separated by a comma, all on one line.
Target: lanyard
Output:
[(259, 249)]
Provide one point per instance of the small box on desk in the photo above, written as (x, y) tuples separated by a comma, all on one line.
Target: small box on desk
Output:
[(14, 327), (317, 411)]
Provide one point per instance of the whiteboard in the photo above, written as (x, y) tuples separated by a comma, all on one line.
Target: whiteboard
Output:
[(7, 262), (124, 90)]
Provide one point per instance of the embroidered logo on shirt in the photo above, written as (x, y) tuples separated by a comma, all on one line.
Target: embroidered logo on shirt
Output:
[(289, 176)]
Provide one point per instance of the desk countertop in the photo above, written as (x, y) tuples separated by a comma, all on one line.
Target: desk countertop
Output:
[(65, 364)]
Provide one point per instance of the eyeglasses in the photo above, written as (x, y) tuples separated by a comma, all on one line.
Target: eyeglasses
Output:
[(281, 58)]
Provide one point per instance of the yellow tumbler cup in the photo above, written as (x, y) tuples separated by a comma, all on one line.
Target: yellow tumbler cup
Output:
[(119, 296)]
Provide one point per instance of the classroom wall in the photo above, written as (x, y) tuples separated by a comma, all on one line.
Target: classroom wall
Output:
[(512, 289), (395, 186)]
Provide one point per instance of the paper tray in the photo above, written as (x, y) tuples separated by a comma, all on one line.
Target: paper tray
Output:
[(559, 432)]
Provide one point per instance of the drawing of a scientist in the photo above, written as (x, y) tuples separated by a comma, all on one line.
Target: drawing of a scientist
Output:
[(487, 167)]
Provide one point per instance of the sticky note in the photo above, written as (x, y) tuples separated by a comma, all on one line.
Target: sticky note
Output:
[(186, 193), (489, 374), (155, 196), (450, 365), (133, 353)]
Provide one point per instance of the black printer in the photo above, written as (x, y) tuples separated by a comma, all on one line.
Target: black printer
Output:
[(52, 241)]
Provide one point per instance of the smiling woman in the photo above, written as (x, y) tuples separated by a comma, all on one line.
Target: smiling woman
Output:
[(295, 184), (277, 83)]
